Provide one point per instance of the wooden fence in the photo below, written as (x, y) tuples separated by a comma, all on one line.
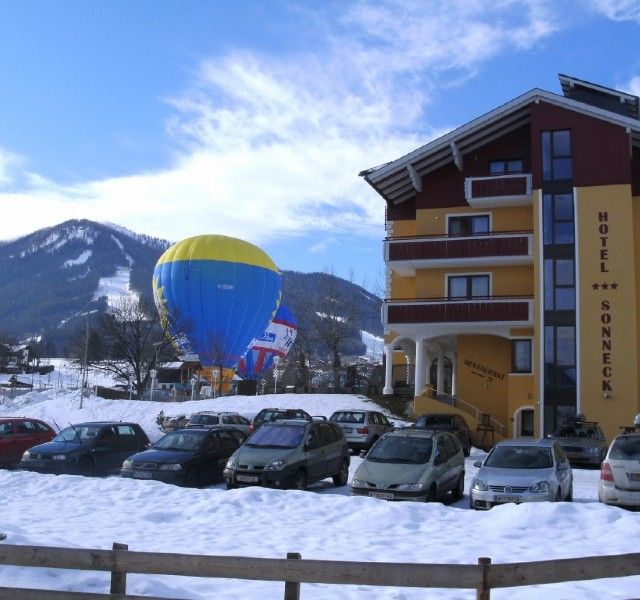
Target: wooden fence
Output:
[(293, 571)]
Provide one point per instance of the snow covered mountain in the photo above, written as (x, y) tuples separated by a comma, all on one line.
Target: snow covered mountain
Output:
[(52, 277)]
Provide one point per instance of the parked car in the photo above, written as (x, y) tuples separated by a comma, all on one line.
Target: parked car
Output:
[(19, 433), (448, 422), (271, 414), (521, 470), (207, 418), (87, 449), (620, 472), (362, 428), (192, 456), (412, 464), (582, 441), (290, 454)]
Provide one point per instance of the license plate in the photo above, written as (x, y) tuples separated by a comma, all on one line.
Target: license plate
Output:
[(347, 429), (508, 499), (142, 475), (247, 478), (633, 476), (381, 495)]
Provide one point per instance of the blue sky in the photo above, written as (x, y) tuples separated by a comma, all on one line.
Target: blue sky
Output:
[(254, 118)]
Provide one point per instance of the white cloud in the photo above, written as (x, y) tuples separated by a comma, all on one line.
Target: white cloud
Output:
[(9, 163), (633, 87), (272, 146), (618, 10)]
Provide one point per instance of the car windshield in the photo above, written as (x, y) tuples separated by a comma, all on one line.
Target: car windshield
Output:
[(434, 422), (278, 436), (181, 440), (203, 420), (348, 417), (400, 449), (577, 431), (625, 448), (78, 433), (520, 457)]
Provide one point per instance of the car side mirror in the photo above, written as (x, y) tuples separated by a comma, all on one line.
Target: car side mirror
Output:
[(477, 463), (363, 453)]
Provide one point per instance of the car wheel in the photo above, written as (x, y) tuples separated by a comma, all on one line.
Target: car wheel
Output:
[(300, 482), (342, 476), (467, 451), (569, 497), (432, 493), (193, 478), (373, 441), (85, 466), (458, 492), (558, 495)]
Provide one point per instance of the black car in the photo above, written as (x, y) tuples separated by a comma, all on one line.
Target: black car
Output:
[(87, 449), (278, 414), (192, 456), (448, 422)]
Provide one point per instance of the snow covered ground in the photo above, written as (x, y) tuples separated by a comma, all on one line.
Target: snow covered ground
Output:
[(323, 523)]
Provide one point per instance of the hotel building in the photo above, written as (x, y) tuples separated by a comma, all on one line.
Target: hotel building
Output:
[(513, 264)]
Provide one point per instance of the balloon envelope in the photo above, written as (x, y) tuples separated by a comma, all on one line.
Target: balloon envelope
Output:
[(214, 295), (275, 341)]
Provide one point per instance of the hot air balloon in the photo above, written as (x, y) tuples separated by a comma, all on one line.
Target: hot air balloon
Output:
[(215, 294), (275, 341)]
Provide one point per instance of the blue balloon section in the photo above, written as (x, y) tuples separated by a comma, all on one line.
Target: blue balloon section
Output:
[(215, 294), (276, 341)]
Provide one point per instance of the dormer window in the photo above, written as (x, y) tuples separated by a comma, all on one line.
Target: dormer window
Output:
[(506, 167)]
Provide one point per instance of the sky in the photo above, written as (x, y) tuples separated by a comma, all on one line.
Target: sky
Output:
[(253, 119), (323, 523)]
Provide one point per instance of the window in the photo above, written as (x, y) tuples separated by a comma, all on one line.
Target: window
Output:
[(468, 225), (468, 286), (557, 218), (556, 155), (521, 356), (505, 167), (559, 284), (560, 356)]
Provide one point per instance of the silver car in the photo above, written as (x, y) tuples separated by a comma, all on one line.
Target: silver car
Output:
[(620, 472), (582, 441), (412, 464), (208, 418), (362, 428), (521, 470)]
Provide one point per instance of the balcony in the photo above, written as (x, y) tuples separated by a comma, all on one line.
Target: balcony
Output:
[(498, 190), (493, 315), (405, 255)]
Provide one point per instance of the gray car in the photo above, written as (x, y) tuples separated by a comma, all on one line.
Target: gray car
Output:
[(290, 454), (362, 428), (207, 418), (412, 464), (620, 472), (582, 441), (521, 470)]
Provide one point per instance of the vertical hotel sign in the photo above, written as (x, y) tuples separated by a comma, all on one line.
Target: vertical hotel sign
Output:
[(606, 301)]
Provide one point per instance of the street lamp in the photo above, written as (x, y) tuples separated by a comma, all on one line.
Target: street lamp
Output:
[(85, 373), (154, 371)]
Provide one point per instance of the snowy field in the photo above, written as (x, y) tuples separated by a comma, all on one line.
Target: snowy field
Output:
[(323, 523)]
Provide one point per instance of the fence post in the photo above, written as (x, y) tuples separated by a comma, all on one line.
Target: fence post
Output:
[(484, 591), (119, 578), (292, 588)]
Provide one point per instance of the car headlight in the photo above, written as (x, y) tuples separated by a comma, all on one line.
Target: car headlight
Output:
[(479, 485), (358, 483), (277, 465), (542, 487), (59, 457), (171, 467), (26, 455), (410, 487), (127, 465), (232, 463)]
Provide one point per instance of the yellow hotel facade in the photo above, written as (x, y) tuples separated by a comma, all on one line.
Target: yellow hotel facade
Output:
[(513, 264)]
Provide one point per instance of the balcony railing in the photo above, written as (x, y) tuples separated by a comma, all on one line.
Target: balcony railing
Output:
[(494, 309), (498, 190), (514, 246)]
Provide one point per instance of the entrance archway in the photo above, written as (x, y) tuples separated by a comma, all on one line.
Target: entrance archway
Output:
[(524, 422)]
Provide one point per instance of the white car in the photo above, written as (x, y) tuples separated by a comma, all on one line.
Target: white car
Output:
[(620, 472)]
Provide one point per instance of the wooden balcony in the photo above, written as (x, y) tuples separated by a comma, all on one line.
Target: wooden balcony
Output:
[(498, 190), (450, 316), (405, 255)]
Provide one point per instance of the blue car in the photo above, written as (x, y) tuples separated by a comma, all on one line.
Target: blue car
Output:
[(192, 456)]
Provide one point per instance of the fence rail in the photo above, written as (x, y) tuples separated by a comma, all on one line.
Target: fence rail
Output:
[(293, 571)]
